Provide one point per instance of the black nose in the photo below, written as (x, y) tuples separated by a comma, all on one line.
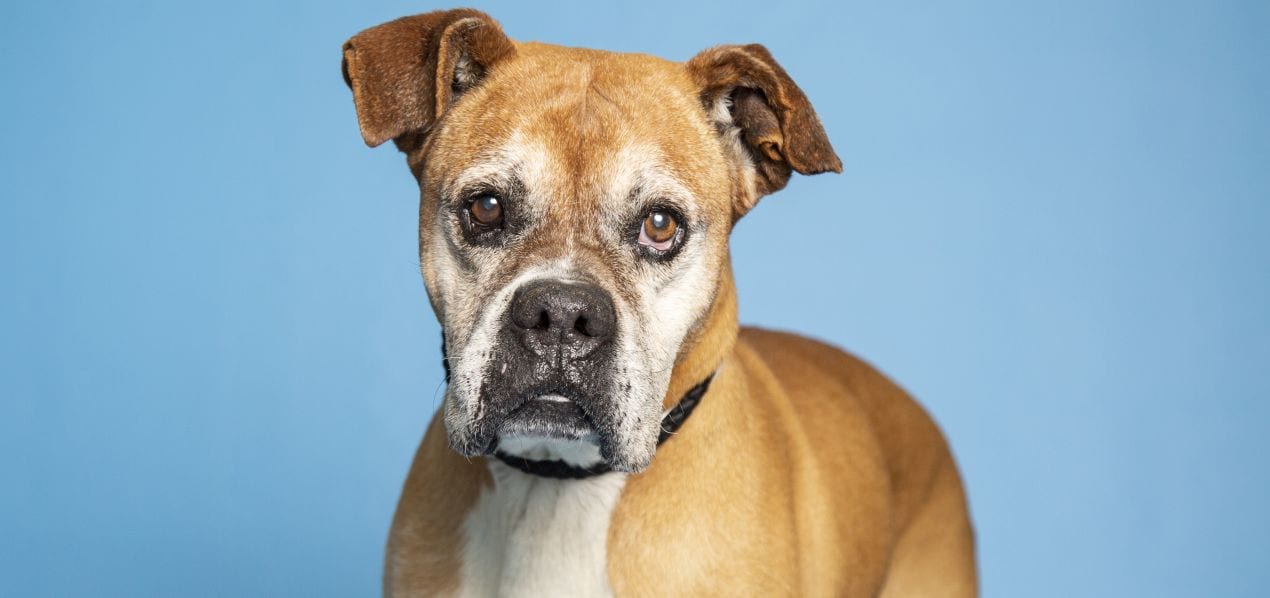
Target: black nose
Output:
[(566, 319)]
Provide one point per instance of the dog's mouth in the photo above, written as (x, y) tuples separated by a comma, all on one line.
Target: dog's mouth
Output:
[(549, 416), (570, 421)]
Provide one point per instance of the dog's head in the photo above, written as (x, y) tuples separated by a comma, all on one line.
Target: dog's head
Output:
[(575, 211)]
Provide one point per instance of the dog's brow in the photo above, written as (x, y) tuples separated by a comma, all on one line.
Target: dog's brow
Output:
[(492, 175), (658, 185), (639, 179), (515, 163), (509, 186)]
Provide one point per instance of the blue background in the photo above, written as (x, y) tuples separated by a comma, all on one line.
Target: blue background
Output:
[(216, 356)]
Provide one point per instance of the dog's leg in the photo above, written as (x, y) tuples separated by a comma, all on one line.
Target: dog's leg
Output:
[(935, 554)]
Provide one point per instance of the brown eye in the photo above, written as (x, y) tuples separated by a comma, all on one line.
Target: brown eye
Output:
[(487, 211), (658, 230)]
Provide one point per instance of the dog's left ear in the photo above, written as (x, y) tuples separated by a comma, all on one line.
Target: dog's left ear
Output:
[(406, 73), (748, 95)]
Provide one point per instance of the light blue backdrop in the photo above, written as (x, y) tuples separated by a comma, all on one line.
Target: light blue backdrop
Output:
[(216, 356)]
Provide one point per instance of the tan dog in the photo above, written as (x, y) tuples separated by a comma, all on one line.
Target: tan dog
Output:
[(573, 238)]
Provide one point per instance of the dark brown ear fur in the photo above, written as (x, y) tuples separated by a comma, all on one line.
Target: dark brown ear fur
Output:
[(405, 73), (777, 125)]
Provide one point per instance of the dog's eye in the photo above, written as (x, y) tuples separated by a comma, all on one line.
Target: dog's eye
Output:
[(487, 211), (659, 230)]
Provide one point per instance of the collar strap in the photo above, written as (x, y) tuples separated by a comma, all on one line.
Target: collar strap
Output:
[(670, 423)]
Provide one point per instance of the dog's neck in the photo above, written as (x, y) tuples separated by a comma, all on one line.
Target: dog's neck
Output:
[(709, 343)]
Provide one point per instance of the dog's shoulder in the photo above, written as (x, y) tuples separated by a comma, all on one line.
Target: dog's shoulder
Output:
[(827, 386)]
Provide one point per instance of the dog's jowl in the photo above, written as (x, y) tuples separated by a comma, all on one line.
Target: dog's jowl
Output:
[(607, 427)]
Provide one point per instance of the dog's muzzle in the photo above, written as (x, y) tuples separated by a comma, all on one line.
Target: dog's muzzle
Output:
[(551, 373)]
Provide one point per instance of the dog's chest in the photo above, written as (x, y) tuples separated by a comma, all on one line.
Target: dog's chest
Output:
[(532, 536)]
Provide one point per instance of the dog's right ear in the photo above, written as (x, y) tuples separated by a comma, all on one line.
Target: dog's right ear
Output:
[(405, 73)]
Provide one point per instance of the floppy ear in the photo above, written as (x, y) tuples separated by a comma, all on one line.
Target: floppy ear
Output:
[(774, 129), (405, 73)]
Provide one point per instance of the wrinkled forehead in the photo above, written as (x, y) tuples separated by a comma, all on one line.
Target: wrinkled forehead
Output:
[(581, 124)]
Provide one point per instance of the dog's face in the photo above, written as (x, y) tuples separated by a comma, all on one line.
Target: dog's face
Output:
[(569, 246), (574, 215)]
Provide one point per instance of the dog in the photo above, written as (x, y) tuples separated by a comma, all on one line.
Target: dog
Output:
[(607, 427)]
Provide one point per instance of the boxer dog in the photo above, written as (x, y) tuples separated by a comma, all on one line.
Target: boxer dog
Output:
[(607, 427)]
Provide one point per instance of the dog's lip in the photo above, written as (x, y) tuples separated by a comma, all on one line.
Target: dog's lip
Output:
[(548, 415), (553, 402)]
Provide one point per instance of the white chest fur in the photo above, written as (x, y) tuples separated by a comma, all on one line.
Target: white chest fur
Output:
[(533, 536)]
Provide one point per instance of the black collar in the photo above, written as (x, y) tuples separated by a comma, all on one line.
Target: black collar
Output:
[(560, 470)]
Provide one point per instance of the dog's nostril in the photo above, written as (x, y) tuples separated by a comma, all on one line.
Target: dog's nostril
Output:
[(558, 313)]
